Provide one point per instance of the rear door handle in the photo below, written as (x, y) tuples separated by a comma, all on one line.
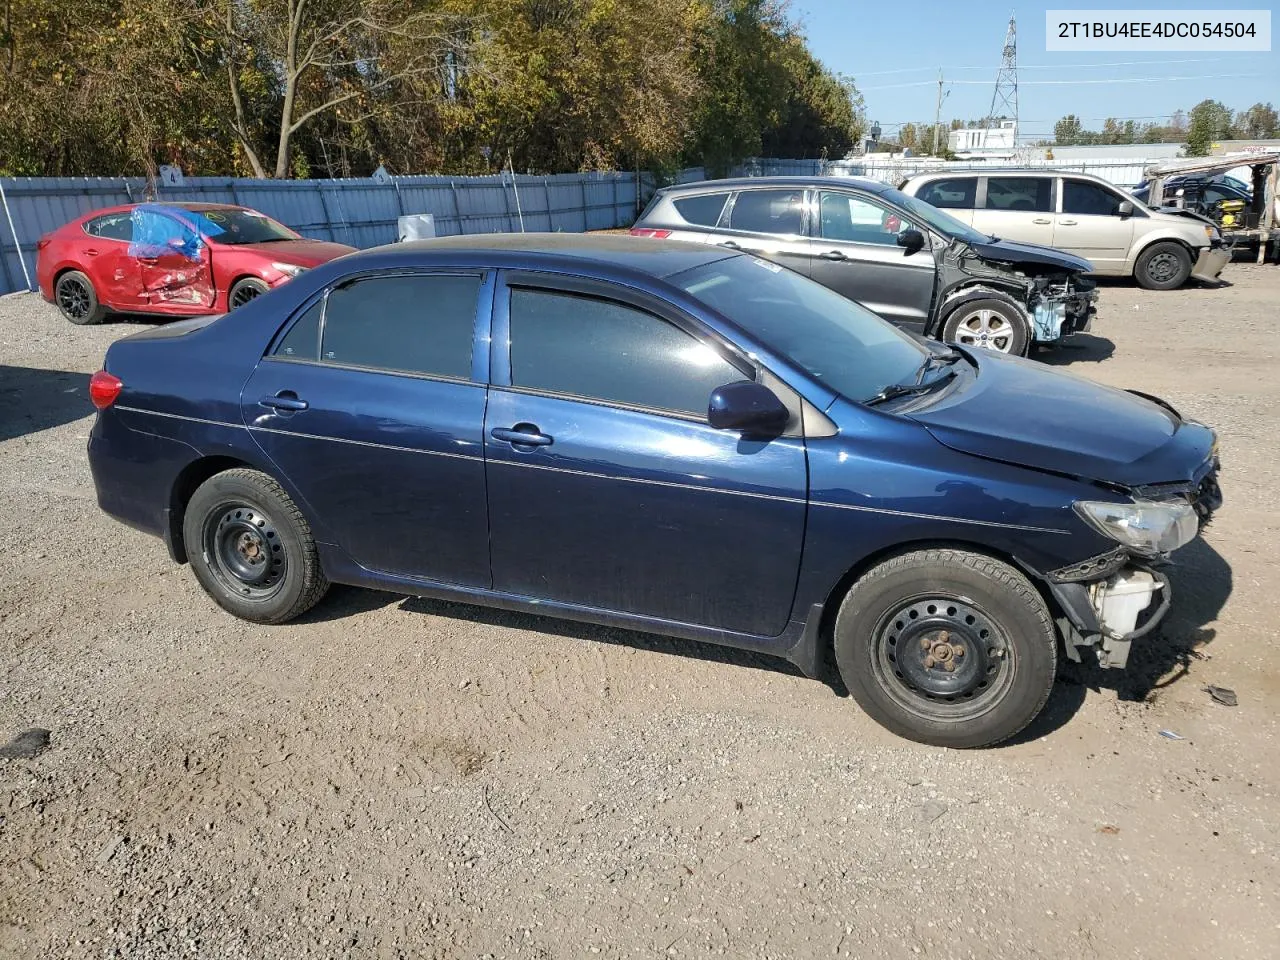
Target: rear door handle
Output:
[(91, 252), (284, 400), (1041, 220), (521, 435), (832, 255), (1067, 223)]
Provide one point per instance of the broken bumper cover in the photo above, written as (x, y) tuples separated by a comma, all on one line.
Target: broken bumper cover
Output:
[(1211, 262)]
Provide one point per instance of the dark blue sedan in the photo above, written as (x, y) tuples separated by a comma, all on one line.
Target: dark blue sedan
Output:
[(669, 437)]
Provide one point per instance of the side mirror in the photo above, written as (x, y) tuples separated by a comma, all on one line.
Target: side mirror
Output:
[(1125, 209), (750, 407), (911, 240)]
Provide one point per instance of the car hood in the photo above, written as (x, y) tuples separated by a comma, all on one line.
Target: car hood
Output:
[(1009, 251), (1024, 413), (303, 252)]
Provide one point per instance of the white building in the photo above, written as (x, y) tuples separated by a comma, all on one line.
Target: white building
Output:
[(998, 139)]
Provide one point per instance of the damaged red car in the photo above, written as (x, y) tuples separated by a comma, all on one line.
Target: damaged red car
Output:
[(172, 260)]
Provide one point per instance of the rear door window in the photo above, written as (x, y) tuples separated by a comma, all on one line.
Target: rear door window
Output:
[(599, 349), (703, 211), (956, 193), (407, 323), (1088, 199), (1020, 193), (113, 226), (768, 211)]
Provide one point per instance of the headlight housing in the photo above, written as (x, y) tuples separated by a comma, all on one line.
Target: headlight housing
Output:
[(288, 269), (1144, 526)]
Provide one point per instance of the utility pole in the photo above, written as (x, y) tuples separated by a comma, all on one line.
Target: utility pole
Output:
[(937, 115)]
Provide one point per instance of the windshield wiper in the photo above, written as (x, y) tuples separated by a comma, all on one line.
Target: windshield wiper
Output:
[(894, 390)]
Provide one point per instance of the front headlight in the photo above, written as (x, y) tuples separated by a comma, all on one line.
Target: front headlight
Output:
[(1144, 526), (288, 269)]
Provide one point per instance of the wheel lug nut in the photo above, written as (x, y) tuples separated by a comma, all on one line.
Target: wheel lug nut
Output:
[(943, 637), (929, 662), (924, 643), (950, 666), (957, 651)]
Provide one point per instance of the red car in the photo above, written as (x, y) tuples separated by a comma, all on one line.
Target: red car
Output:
[(173, 260)]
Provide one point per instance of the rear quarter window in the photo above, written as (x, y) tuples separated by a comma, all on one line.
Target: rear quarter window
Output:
[(703, 210), (768, 211), (956, 193)]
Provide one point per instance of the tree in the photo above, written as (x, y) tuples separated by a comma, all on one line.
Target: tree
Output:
[(1068, 130), (1259, 122), (1210, 121)]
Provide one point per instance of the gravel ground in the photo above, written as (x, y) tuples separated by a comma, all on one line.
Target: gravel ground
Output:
[(407, 778)]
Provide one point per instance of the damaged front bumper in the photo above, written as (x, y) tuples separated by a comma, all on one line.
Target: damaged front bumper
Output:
[(1108, 615), (1109, 601), (1211, 262)]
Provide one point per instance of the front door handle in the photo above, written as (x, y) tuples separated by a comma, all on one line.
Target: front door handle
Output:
[(91, 252), (284, 400), (521, 435), (1067, 223), (832, 255), (730, 244), (1041, 220)]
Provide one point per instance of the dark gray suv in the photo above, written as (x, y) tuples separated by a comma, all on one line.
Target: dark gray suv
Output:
[(903, 258)]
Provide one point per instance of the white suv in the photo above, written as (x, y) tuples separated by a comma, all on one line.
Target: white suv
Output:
[(1083, 215)]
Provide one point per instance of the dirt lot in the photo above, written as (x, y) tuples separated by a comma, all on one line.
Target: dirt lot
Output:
[(404, 778)]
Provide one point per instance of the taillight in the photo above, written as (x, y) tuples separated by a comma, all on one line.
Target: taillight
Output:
[(656, 234), (104, 388)]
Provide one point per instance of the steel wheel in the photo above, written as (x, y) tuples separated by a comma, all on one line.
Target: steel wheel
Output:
[(987, 329), (942, 658), (1163, 267), (245, 551), (75, 299)]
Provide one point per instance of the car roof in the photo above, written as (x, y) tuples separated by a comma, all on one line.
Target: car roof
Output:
[(568, 252), (741, 183), (192, 206), (992, 171)]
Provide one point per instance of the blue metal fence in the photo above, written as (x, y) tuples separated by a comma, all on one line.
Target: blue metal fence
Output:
[(362, 213)]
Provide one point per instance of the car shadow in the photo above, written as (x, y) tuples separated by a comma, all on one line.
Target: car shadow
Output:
[(1201, 582), (1079, 348), (32, 399), (575, 630)]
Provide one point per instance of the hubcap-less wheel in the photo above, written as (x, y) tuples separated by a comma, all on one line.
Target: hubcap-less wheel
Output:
[(245, 550), (73, 298), (243, 294), (1163, 267), (987, 329), (942, 659)]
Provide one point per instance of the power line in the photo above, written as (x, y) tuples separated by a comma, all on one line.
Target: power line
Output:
[(1212, 76), (1050, 66)]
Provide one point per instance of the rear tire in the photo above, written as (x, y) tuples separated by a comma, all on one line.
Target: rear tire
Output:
[(250, 288), (947, 647), (1163, 266), (77, 300), (990, 324), (251, 548)]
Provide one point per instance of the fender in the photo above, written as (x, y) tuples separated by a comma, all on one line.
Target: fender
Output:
[(1012, 293)]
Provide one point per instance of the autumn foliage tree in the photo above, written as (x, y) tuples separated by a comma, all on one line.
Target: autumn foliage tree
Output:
[(337, 87)]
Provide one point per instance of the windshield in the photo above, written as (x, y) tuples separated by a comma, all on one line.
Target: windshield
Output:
[(234, 226), (839, 343), (944, 223)]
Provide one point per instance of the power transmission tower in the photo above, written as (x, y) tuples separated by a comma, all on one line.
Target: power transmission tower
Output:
[(1004, 99)]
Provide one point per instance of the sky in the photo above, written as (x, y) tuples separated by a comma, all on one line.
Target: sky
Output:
[(893, 50)]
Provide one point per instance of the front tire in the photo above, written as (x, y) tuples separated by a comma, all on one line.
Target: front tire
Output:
[(250, 288), (1163, 266), (947, 647), (251, 548), (990, 324), (77, 300)]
